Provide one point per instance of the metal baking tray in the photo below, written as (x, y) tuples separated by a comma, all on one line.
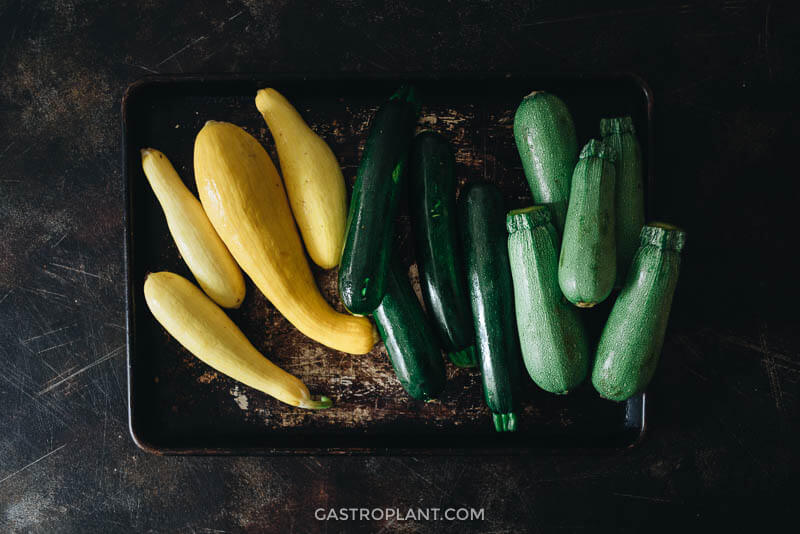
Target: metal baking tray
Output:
[(178, 405)]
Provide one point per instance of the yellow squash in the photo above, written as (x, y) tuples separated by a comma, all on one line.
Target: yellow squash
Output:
[(244, 198), (312, 176), (204, 330), (203, 251)]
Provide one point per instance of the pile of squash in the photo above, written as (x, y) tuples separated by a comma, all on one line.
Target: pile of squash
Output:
[(501, 288)]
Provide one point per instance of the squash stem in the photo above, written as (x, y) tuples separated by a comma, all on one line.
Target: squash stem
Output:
[(511, 425), (498, 422), (616, 125), (321, 404), (596, 148), (464, 357), (505, 422), (408, 93)]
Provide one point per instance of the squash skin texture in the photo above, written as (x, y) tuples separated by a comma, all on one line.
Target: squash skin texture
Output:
[(630, 345), (620, 135), (587, 265), (409, 338), (312, 176), (203, 329), (243, 195), (368, 241), (554, 344), (491, 297), (198, 243), (548, 147), (434, 217)]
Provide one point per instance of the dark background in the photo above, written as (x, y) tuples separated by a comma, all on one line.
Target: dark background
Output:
[(722, 440)]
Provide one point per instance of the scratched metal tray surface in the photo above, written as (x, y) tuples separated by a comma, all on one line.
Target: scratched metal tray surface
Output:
[(179, 405)]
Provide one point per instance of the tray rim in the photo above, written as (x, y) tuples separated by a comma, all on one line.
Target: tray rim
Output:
[(132, 90)]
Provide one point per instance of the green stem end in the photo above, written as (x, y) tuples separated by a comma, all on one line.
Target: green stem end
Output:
[(321, 404), (464, 358), (505, 422), (407, 93)]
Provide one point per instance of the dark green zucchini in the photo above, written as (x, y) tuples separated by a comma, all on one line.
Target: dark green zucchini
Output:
[(554, 344), (620, 135), (492, 299), (587, 266), (434, 221), (548, 147), (370, 222), (630, 344), (410, 341)]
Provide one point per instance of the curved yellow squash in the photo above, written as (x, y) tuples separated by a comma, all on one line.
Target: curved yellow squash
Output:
[(312, 176), (204, 330), (244, 198), (200, 246)]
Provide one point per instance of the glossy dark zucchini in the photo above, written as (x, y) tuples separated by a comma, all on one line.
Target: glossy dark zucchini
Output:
[(434, 218), (492, 298), (370, 222), (409, 338)]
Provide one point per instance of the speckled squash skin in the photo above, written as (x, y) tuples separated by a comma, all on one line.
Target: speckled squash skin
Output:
[(491, 292), (370, 222), (620, 134), (434, 218), (409, 338), (631, 342), (587, 265), (553, 341), (548, 147)]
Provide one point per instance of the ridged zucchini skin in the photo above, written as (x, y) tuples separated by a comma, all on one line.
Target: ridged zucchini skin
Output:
[(620, 134), (409, 338), (482, 216), (548, 147), (434, 218), (367, 244), (587, 265), (631, 342), (554, 344)]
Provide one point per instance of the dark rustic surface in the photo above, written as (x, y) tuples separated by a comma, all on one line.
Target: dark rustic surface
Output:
[(178, 403), (723, 431)]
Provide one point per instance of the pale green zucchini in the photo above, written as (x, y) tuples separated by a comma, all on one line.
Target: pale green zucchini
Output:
[(619, 134), (548, 147), (588, 262), (630, 346), (554, 344)]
